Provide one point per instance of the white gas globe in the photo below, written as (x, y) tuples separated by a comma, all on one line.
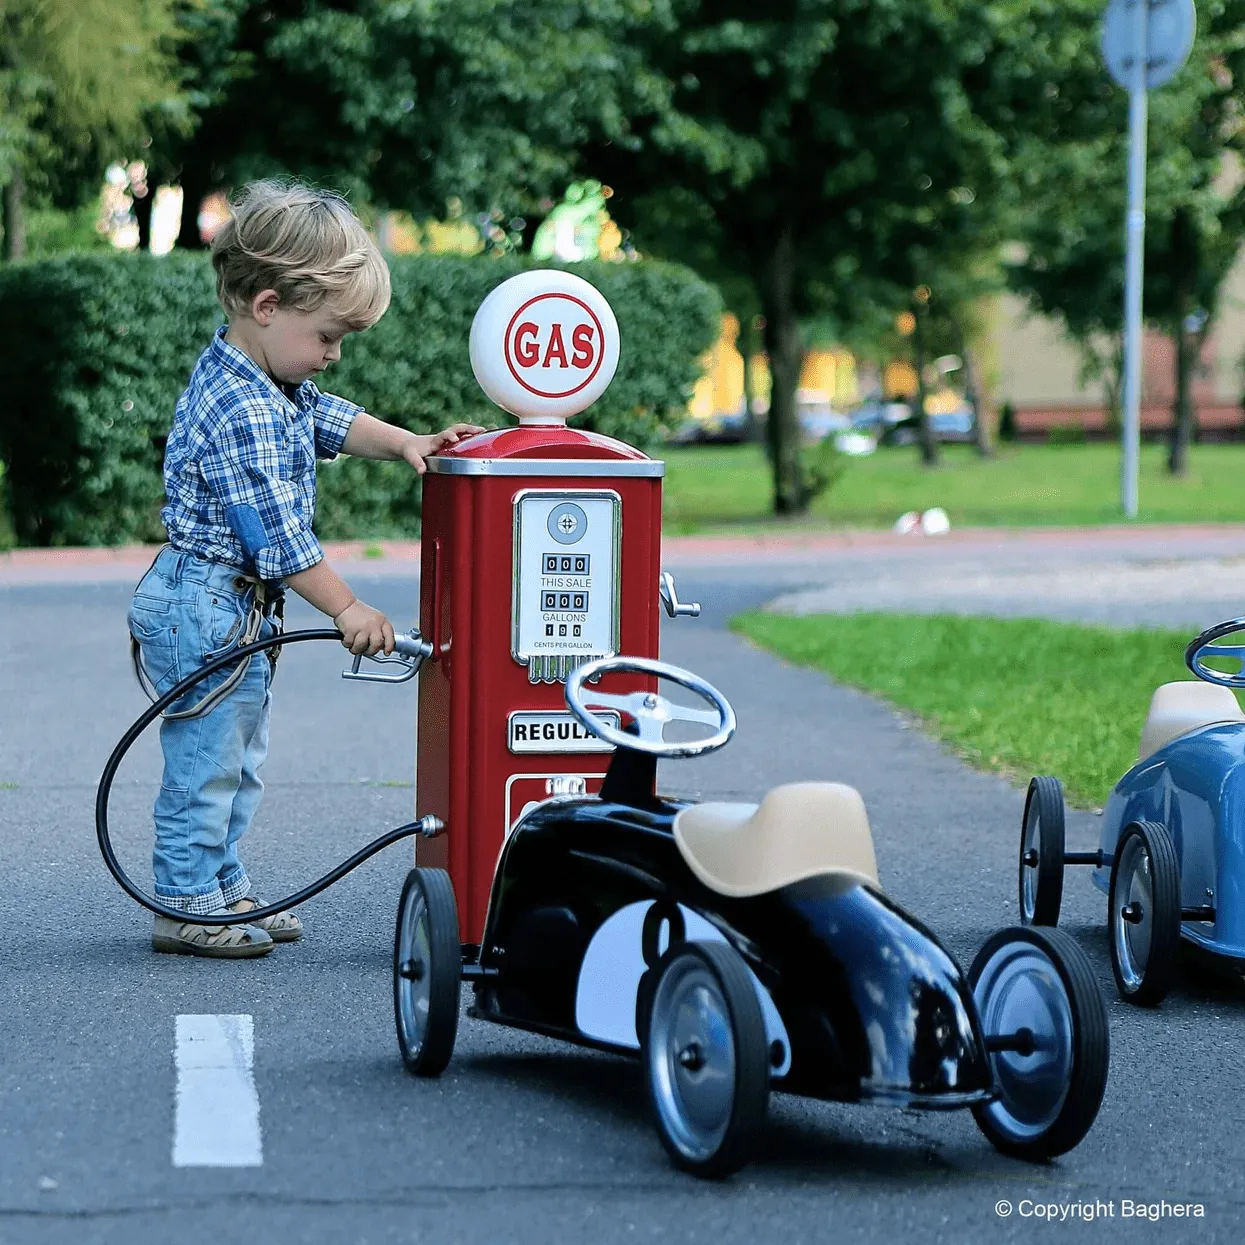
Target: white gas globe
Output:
[(544, 346)]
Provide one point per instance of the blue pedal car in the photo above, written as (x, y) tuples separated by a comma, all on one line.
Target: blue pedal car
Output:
[(1171, 856)]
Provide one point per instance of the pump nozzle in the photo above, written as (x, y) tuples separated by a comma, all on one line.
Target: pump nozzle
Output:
[(410, 650)]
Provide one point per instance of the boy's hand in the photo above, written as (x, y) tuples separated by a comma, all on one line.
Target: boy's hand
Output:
[(418, 448), (364, 630)]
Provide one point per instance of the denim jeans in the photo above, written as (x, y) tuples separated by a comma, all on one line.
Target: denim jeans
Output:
[(185, 612)]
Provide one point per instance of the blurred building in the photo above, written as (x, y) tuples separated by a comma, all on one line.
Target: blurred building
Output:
[(827, 380), (1041, 372)]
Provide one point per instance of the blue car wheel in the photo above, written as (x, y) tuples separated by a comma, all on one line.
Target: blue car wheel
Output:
[(1143, 911), (1041, 853)]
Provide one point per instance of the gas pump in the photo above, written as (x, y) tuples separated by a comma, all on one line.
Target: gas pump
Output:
[(540, 552)]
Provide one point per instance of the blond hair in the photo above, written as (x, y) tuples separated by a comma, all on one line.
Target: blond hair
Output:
[(304, 243)]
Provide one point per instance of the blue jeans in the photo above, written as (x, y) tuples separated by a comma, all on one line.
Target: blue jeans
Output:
[(187, 611)]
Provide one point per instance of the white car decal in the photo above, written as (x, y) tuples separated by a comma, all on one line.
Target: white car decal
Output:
[(623, 950)]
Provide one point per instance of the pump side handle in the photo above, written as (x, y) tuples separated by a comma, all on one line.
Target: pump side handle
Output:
[(669, 598), (410, 650)]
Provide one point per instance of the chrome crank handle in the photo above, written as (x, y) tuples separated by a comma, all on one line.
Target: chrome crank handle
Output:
[(410, 650), (669, 598)]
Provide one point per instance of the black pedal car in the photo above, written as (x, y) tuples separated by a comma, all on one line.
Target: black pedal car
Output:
[(740, 950)]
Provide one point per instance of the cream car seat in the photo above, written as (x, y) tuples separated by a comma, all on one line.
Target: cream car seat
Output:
[(1176, 708), (799, 830)]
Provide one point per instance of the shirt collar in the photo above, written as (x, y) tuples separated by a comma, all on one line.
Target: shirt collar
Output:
[(227, 355)]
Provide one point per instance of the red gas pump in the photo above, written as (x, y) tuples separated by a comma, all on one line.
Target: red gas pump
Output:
[(541, 549)]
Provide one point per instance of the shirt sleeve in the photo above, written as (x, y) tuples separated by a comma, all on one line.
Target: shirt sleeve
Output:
[(242, 468), (332, 417)]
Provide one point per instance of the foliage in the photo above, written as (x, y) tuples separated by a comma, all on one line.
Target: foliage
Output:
[(1073, 189), (54, 231), (1024, 696), (830, 154), (725, 488), (404, 105), (98, 349), (76, 78)]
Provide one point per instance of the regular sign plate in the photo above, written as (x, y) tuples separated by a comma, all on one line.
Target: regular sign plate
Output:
[(534, 730), (544, 345), (1170, 28)]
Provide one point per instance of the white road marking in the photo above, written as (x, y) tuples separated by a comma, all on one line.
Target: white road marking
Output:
[(216, 1114)]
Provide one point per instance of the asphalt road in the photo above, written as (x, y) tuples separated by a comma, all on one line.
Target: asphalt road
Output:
[(522, 1139)]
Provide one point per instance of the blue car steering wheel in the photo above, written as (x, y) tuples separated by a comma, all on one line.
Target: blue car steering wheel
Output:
[(1204, 646)]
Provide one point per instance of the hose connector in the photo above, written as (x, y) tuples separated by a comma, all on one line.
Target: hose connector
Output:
[(430, 826)]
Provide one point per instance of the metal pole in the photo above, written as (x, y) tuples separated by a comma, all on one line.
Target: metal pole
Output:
[(1134, 244)]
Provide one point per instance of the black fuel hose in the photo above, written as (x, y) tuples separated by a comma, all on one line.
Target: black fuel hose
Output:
[(425, 825)]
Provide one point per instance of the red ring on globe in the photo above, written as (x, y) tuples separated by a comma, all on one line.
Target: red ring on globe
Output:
[(566, 393)]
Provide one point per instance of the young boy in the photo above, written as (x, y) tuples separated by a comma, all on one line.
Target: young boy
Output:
[(295, 272)]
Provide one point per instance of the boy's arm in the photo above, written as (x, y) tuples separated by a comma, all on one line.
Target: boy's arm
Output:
[(370, 437), (366, 629)]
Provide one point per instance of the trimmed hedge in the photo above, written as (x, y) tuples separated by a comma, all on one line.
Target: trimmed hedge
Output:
[(98, 348)]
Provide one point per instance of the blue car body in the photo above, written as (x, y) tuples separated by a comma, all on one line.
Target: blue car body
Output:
[(1194, 786)]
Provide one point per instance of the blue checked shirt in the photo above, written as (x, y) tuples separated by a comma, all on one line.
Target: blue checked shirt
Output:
[(240, 464)]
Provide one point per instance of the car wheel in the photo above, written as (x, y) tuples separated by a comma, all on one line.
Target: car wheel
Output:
[(427, 971), (1144, 913), (1035, 988), (706, 1058), (1041, 853)]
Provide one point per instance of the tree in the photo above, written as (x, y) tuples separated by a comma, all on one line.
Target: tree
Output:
[(1071, 217), (837, 151), (76, 78), (403, 105)]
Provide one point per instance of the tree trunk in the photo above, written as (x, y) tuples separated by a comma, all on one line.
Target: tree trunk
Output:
[(747, 349), (925, 428), (1182, 407), (195, 189), (15, 217), (981, 423), (141, 208), (786, 357)]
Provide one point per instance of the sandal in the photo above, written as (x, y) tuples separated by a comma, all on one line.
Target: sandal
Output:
[(226, 942), (284, 927)]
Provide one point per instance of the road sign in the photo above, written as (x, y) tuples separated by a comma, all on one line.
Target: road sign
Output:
[(1170, 27), (1144, 42)]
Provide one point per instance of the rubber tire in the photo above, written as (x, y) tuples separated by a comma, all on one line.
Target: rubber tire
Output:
[(1047, 793), (1160, 969), (752, 1065), (1091, 1045), (445, 971)]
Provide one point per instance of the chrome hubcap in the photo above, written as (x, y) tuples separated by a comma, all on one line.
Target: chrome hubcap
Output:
[(1133, 917), (692, 1058), (1020, 989), (414, 950)]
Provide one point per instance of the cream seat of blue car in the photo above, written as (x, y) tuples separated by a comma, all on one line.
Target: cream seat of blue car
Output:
[(1177, 708), (799, 830)]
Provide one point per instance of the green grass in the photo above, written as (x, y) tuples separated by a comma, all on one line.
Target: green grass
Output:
[(728, 486), (1018, 696)]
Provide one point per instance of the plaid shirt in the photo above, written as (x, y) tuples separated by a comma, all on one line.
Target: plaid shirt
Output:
[(239, 468)]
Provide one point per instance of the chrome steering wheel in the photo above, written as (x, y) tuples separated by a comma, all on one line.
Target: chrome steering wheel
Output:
[(1204, 646), (650, 711)]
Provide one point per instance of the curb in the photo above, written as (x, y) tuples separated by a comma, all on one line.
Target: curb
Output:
[(84, 564)]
